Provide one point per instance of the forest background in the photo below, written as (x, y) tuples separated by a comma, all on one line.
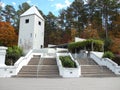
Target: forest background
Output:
[(89, 19)]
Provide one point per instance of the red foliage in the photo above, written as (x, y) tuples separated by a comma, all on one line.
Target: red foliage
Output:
[(8, 37)]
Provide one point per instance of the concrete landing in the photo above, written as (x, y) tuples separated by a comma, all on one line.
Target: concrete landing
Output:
[(60, 84)]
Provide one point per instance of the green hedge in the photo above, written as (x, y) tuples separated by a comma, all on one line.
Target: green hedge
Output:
[(109, 55), (67, 62), (97, 44)]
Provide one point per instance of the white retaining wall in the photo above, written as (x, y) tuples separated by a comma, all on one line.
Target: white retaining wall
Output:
[(2, 55), (8, 71)]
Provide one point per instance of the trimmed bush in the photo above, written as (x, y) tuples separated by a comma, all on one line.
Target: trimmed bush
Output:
[(97, 44), (13, 54), (109, 55), (67, 62)]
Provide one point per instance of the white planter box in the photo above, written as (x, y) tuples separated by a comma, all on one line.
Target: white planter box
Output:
[(68, 72)]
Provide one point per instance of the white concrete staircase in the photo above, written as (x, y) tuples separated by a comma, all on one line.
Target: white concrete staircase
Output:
[(89, 68), (40, 67)]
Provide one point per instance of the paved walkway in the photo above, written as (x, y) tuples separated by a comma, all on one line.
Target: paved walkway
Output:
[(60, 83)]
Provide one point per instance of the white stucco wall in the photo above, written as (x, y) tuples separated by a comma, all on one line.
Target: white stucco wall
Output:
[(31, 35), (38, 33), (25, 31), (77, 39)]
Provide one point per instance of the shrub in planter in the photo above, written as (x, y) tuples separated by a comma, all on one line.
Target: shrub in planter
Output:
[(67, 62), (108, 54), (13, 54)]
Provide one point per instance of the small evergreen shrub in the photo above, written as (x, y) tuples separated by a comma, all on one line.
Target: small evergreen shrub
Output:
[(108, 54), (13, 54), (67, 62)]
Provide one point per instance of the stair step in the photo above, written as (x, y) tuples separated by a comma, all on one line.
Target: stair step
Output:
[(39, 76), (48, 72), (47, 68), (34, 61), (89, 68), (94, 68), (98, 75), (86, 61), (49, 61), (97, 72), (29, 68), (48, 76), (41, 73)]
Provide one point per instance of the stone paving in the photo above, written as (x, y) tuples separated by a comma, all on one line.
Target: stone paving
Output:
[(60, 83)]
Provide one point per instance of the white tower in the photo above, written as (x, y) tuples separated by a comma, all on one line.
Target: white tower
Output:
[(31, 31)]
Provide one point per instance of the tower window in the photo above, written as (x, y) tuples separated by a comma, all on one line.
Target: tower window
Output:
[(41, 46), (27, 21), (39, 23)]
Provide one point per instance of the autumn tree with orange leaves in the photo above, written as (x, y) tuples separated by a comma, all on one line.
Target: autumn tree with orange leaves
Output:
[(115, 35), (115, 45), (73, 34), (8, 37), (90, 32)]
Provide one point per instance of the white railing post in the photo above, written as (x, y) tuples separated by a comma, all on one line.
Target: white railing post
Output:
[(2, 55)]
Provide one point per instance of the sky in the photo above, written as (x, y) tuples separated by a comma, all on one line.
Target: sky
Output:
[(45, 5)]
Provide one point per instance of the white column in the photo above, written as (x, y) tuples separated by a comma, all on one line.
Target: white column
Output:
[(2, 55)]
